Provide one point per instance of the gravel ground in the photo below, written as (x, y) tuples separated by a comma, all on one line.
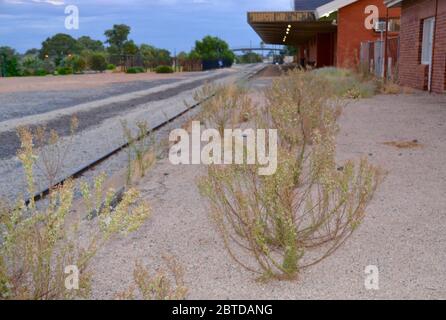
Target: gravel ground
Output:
[(21, 104), (404, 232), (95, 116), (100, 128)]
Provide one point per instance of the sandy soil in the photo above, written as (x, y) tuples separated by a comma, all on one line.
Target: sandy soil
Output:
[(404, 232), (83, 81)]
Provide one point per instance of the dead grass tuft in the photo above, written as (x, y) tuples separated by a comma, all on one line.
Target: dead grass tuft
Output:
[(414, 144)]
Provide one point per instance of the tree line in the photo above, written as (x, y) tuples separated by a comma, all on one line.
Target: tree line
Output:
[(62, 54)]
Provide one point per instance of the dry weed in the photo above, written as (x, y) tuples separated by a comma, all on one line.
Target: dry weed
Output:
[(277, 225)]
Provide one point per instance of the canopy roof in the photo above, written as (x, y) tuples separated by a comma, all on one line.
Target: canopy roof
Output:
[(303, 25)]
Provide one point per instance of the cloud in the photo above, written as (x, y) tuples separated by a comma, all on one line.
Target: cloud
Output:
[(52, 2)]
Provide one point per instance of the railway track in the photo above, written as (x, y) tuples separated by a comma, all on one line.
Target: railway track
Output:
[(81, 171)]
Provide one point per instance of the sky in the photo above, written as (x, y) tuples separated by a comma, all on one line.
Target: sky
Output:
[(169, 24)]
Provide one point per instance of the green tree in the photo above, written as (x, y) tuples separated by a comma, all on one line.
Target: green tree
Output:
[(163, 57), (76, 63), (117, 36), (153, 57), (88, 43), (32, 52), (213, 48), (194, 55), (58, 47), (148, 54), (9, 62), (129, 47), (182, 56)]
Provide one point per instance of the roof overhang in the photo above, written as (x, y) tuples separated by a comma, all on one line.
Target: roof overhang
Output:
[(272, 26), (393, 3), (329, 8)]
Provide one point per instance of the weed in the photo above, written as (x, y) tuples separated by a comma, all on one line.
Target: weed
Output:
[(277, 225), (164, 285), (141, 147), (390, 87), (348, 84), (38, 242), (52, 154), (223, 106)]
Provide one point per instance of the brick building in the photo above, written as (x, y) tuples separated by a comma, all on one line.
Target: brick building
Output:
[(355, 20), (422, 62), (326, 32)]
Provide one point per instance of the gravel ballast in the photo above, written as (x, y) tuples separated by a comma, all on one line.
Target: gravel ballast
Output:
[(100, 128)]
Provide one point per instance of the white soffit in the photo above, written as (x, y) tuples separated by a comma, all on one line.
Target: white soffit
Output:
[(329, 8)]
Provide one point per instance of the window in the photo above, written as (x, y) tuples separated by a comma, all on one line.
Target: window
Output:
[(427, 41), (394, 25)]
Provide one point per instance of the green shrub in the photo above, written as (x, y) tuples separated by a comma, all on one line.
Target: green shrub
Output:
[(49, 66), (98, 62), (40, 72), (62, 71), (111, 66), (79, 64), (136, 70), (164, 69), (30, 64)]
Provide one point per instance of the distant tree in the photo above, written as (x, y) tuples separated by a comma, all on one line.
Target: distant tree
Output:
[(129, 47), (9, 62), (87, 43), (153, 57), (249, 57), (213, 48), (117, 36), (32, 52), (182, 55), (76, 62), (114, 50), (31, 65), (58, 47), (98, 62), (194, 55), (163, 57), (148, 54)]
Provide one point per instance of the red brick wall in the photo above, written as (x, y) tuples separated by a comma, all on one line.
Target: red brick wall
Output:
[(351, 30), (439, 58), (411, 72)]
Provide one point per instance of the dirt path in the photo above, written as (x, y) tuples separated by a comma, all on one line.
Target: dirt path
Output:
[(404, 233)]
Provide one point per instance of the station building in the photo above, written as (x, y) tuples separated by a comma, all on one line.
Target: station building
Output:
[(422, 55), (327, 32)]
